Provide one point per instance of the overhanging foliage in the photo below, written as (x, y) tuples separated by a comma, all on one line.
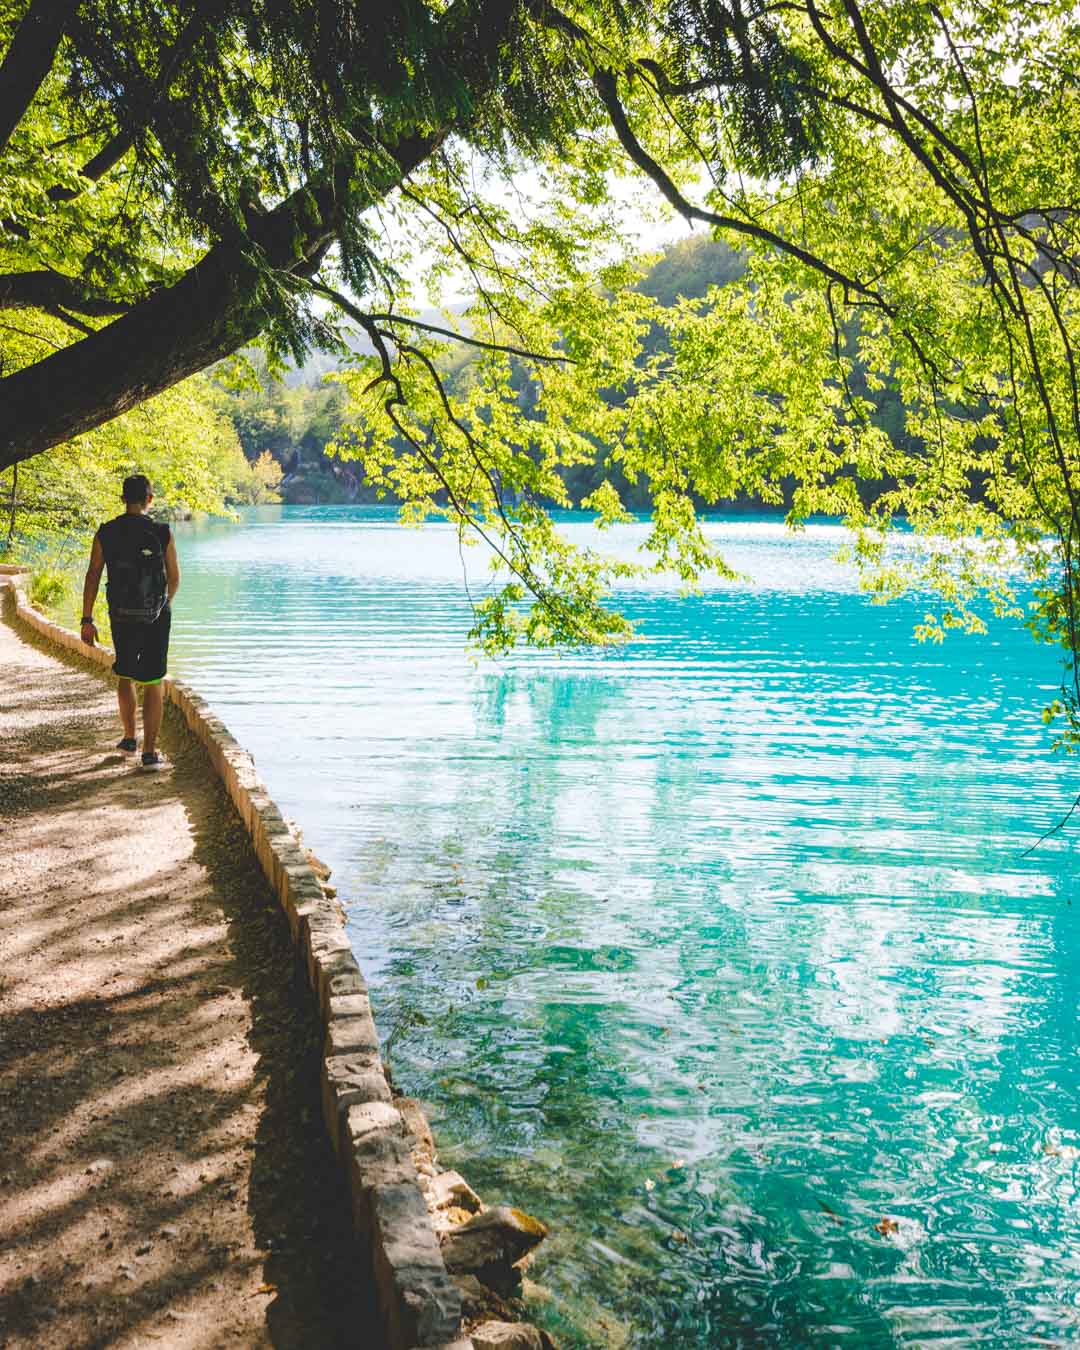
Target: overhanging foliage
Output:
[(903, 177)]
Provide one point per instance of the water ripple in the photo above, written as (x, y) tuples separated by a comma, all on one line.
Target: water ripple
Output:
[(720, 953)]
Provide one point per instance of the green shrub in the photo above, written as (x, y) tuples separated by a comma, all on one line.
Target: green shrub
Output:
[(49, 589)]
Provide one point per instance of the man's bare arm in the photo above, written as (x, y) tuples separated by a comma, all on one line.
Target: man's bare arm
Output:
[(88, 631), (172, 569)]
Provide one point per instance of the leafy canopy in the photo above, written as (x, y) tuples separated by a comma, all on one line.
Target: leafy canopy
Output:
[(912, 229), (900, 175)]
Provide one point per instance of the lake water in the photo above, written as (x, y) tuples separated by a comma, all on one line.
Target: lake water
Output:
[(718, 954)]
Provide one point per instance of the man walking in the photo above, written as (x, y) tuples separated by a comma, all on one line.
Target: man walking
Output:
[(143, 577)]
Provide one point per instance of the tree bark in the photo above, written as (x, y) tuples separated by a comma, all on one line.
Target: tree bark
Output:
[(210, 312), (29, 59), (174, 333), (49, 290)]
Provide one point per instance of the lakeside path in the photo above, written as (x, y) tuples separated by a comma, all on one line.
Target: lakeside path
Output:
[(164, 1174)]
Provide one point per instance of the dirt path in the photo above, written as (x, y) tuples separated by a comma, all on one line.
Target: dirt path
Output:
[(164, 1179)]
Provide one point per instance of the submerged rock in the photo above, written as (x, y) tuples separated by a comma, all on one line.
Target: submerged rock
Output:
[(481, 1304), (510, 1336), (491, 1244)]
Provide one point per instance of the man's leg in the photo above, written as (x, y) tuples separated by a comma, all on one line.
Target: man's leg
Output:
[(151, 717), (125, 696)]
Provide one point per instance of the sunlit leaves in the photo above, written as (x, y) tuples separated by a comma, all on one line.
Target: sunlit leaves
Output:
[(902, 179), (771, 387)]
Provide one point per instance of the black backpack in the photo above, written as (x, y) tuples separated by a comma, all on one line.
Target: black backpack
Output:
[(136, 588)]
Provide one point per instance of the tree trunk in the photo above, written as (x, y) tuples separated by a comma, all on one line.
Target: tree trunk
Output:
[(209, 313), (205, 316)]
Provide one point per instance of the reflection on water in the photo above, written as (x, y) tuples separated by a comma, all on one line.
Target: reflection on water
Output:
[(715, 953)]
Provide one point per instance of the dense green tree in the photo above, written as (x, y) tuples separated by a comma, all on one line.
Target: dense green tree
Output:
[(269, 414), (690, 269), (900, 176), (183, 169)]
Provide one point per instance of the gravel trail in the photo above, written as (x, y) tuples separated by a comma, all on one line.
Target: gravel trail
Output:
[(164, 1178)]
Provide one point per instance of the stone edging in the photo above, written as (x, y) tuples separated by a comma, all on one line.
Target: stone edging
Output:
[(419, 1303)]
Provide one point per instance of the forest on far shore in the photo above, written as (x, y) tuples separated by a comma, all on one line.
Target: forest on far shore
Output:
[(214, 443), (296, 418)]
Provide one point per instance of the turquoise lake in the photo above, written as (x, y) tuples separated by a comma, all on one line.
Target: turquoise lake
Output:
[(719, 953)]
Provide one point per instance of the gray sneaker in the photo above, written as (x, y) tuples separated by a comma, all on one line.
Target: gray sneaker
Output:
[(152, 761)]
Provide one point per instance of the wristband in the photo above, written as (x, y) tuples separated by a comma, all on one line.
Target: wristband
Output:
[(87, 620)]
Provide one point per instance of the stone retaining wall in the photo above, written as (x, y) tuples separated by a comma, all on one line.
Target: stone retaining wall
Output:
[(419, 1303)]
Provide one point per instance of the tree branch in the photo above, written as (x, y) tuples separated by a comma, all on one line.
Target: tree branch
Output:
[(354, 312), (69, 319), (550, 358), (519, 560), (47, 290), (604, 83), (217, 306), (29, 60)]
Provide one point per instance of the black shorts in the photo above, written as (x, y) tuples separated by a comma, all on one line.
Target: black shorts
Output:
[(142, 649)]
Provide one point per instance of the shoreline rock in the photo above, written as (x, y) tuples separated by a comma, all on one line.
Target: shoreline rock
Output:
[(484, 1248)]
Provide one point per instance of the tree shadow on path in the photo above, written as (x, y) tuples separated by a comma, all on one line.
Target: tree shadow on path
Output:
[(166, 1178)]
